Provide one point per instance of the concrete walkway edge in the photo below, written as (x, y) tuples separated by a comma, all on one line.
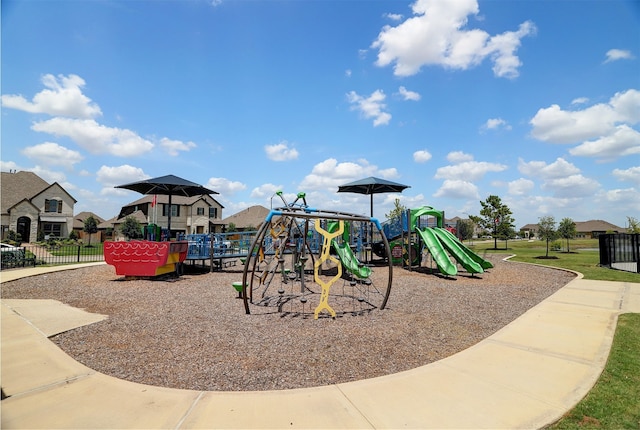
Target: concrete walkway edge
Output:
[(524, 376)]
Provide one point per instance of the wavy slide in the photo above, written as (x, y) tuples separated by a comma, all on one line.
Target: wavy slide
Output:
[(481, 261), (350, 261), (453, 246), (436, 249)]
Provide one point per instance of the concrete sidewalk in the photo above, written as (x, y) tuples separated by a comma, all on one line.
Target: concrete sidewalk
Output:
[(524, 376)]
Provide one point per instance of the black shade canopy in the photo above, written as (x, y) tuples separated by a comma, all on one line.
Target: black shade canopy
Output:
[(372, 185), (169, 185)]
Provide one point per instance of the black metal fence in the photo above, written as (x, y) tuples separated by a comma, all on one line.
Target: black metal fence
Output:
[(620, 251), (33, 255)]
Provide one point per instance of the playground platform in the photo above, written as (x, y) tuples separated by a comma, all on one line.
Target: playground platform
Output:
[(526, 375)]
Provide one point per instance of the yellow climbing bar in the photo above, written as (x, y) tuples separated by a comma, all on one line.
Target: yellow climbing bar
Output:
[(324, 256)]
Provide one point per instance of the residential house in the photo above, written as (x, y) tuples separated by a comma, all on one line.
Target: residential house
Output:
[(189, 215), (594, 228), (78, 227), (584, 229), (247, 219), (30, 206)]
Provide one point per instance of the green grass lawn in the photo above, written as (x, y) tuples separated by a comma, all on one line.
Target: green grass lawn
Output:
[(614, 402), (94, 249), (584, 257)]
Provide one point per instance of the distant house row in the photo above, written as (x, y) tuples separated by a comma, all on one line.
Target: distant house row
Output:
[(32, 207), (584, 229)]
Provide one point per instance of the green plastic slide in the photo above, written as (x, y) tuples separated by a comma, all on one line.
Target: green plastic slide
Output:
[(350, 261), (481, 261), (436, 249), (453, 246)]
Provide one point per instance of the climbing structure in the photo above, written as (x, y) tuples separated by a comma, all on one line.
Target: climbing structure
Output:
[(303, 262)]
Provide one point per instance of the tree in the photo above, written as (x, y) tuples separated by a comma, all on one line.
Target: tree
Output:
[(567, 230), (547, 230), (506, 232), (634, 225), (131, 228), (90, 227), (397, 211), (464, 228), (494, 217)]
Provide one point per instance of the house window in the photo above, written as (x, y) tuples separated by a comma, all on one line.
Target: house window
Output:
[(53, 206), (52, 228), (175, 210), (200, 211), (213, 212)]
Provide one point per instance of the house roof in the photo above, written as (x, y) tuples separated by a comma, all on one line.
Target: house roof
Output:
[(108, 223), (529, 227), (175, 200), (597, 225), (585, 226), (18, 186), (78, 220), (251, 217), (138, 215)]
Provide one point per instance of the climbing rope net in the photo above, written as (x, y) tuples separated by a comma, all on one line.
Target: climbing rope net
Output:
[(303, 263)]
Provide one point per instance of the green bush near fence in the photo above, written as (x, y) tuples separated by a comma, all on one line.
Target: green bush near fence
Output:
[(64, 250)]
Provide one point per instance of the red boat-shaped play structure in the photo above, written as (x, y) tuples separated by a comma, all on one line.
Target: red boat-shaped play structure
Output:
[(144, 257)]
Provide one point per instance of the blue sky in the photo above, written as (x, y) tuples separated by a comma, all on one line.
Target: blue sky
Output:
[(537, 102)]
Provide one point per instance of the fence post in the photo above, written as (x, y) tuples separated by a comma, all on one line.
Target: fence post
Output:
[(78, 254)]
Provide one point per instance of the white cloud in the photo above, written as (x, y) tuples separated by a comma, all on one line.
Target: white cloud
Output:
[(458, 157), (225, 186), (266, 191), (495, 124), (618, 54), (7, 166), (173, 147), (629, 197), (623, 141), (580, 101), (63, 97), (561, 178), (408, 95), (50, 176), (572, 186), (437, 35), (631, 174), (540, 169), (421, 156), (52, 154), (96, 138), (468, 170), (328, 175), (607, 126), (457, 189), (348, 73), (393, 16), (371, 107), (281, 152), (520, 187), (465, 168), (109, 177)]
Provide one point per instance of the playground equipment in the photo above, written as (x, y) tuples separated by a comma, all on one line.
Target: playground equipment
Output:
[(291, 269), (410, 233), (144, 257)]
